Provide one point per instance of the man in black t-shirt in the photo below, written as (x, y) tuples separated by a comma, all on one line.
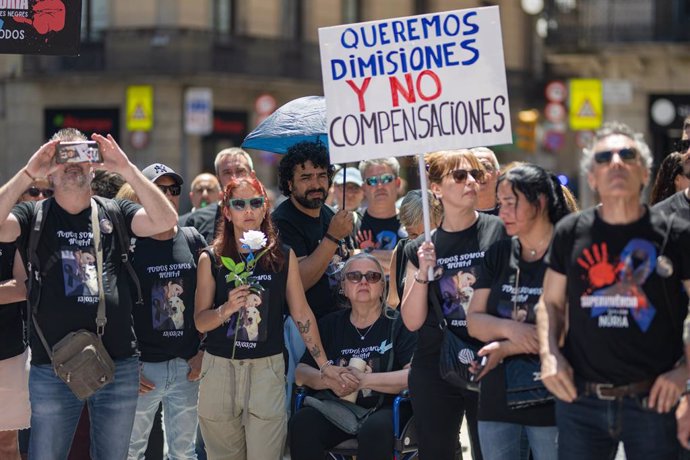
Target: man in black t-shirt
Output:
[(230, 163), (620, 269), (313, 231), (168, 340), (71, 285)]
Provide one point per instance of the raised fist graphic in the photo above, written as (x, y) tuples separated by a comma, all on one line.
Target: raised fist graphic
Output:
[(48, 15)]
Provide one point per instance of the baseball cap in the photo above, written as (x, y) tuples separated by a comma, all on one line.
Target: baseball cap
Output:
[(157, 170), (352, 176)]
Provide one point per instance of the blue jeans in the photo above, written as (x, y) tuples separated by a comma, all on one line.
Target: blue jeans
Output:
[(295, 347), (55, 412), (501, 441), (179, 397), (591, 428)]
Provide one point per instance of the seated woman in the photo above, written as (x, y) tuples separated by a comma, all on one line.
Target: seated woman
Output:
[(242, 392), (365, 330)]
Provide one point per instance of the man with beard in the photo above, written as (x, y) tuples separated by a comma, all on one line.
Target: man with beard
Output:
[(313, 231), (67, 228), (679, 203)]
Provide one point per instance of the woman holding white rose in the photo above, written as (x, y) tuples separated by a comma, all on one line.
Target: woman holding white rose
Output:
[(244, 278)]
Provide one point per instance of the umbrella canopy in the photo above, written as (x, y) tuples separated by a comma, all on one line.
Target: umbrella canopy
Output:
[(302, 119)]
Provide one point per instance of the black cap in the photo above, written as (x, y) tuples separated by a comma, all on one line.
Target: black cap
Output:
[(157, 170)]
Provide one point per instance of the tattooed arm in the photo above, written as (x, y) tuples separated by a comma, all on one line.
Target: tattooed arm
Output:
[(306, 324)]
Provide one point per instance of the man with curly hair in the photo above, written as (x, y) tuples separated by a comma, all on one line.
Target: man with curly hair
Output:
[(312, 230)]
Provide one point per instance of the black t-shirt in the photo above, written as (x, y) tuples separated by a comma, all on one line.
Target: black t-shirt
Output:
[(12, 340), (260, 332), (341, 341), (504, 272), (386, 232), (69, 293), (677, 203), (460, 254), (303, 234), (205, 220), (621, 327), (165, 323)]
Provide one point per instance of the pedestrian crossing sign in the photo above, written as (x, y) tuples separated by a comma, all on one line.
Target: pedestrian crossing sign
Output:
[(586, 104), (139, 108)]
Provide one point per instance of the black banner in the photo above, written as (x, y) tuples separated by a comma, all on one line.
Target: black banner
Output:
[(40, 26), (88, 121)]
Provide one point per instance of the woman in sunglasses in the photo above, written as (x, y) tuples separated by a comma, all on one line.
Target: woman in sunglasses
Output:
[(39, 190), (370, 332), (502, 314), (457, 247), (242, 393)]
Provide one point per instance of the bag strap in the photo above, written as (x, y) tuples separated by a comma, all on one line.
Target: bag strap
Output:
[(101, 319), (114, 212), (195, 241), (33, 269)]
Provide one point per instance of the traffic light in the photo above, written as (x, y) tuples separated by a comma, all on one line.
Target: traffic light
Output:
[(527, 130)]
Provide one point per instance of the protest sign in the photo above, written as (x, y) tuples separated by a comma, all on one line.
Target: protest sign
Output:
[(40, 26), (415, 84)]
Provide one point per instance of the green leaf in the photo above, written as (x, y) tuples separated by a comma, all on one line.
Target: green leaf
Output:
[(239, 268), (228, 263), (238, 283), (244, 276)]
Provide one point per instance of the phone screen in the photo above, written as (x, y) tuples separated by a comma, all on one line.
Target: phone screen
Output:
[(78, 152)]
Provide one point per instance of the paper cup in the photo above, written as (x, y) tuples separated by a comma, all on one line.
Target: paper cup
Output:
[(357, 363)]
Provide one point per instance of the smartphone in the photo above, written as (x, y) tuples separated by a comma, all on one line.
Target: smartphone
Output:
[(78, 152), (482, 363)]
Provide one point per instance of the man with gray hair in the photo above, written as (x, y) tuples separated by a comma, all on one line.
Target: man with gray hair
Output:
[(619, 267), (380, 228), (486, 199), (230, 163)]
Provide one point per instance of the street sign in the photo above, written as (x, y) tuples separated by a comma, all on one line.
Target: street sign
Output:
[(139, 108), (586, 104), (198, 111), (556, 91)]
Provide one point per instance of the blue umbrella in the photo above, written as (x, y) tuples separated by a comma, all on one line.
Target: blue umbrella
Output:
[(302, 119)]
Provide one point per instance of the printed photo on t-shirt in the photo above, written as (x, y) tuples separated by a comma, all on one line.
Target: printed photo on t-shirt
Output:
[(456, 292), (615, 285), (252, 322), (79, 272), (167, 306)]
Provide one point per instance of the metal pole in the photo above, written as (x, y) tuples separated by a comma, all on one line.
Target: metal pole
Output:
[(425, 203)]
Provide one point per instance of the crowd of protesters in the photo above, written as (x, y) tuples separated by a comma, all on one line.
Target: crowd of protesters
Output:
[(579, 317)]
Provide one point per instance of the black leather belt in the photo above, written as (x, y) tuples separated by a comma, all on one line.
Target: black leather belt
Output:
[(610, 392)]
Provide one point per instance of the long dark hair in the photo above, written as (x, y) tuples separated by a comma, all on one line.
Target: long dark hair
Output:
[(533, 180), (225, 243), (664, 185)]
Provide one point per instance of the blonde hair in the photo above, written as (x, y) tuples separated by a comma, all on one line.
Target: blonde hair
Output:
[(126, 192), (439, 164)]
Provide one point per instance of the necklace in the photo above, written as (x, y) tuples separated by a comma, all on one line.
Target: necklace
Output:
[(362, 337)]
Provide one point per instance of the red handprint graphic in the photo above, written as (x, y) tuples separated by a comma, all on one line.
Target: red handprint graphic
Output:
[(365, 240), (48, 15), (599, 271)]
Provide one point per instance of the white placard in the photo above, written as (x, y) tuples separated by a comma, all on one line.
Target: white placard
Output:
[(415, 84), (198, 111)]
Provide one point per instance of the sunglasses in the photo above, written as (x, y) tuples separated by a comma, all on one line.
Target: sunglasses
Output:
[(460, 175), (174, 189), (628, 155), (239, 204), (683, 145), (35, 192), (373, 181), (356, 277)]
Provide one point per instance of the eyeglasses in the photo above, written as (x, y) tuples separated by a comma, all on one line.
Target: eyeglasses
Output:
[(174, 189), (373, 181), (628, 155), (683, 145), (34, 192), (460, 175), (239, 204), (356, 277)]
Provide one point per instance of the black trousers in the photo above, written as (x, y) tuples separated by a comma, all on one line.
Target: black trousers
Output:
[(438, 409), (311, 434)]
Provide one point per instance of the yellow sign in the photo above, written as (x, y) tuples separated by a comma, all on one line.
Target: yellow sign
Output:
[(586, 104), (139, 108)]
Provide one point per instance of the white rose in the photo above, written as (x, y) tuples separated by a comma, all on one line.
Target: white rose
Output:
[(254, 239)]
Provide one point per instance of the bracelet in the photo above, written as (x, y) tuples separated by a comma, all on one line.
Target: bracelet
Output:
[(324, 366), (328, 236), (26, 171), (416, 274), (219, 310)]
